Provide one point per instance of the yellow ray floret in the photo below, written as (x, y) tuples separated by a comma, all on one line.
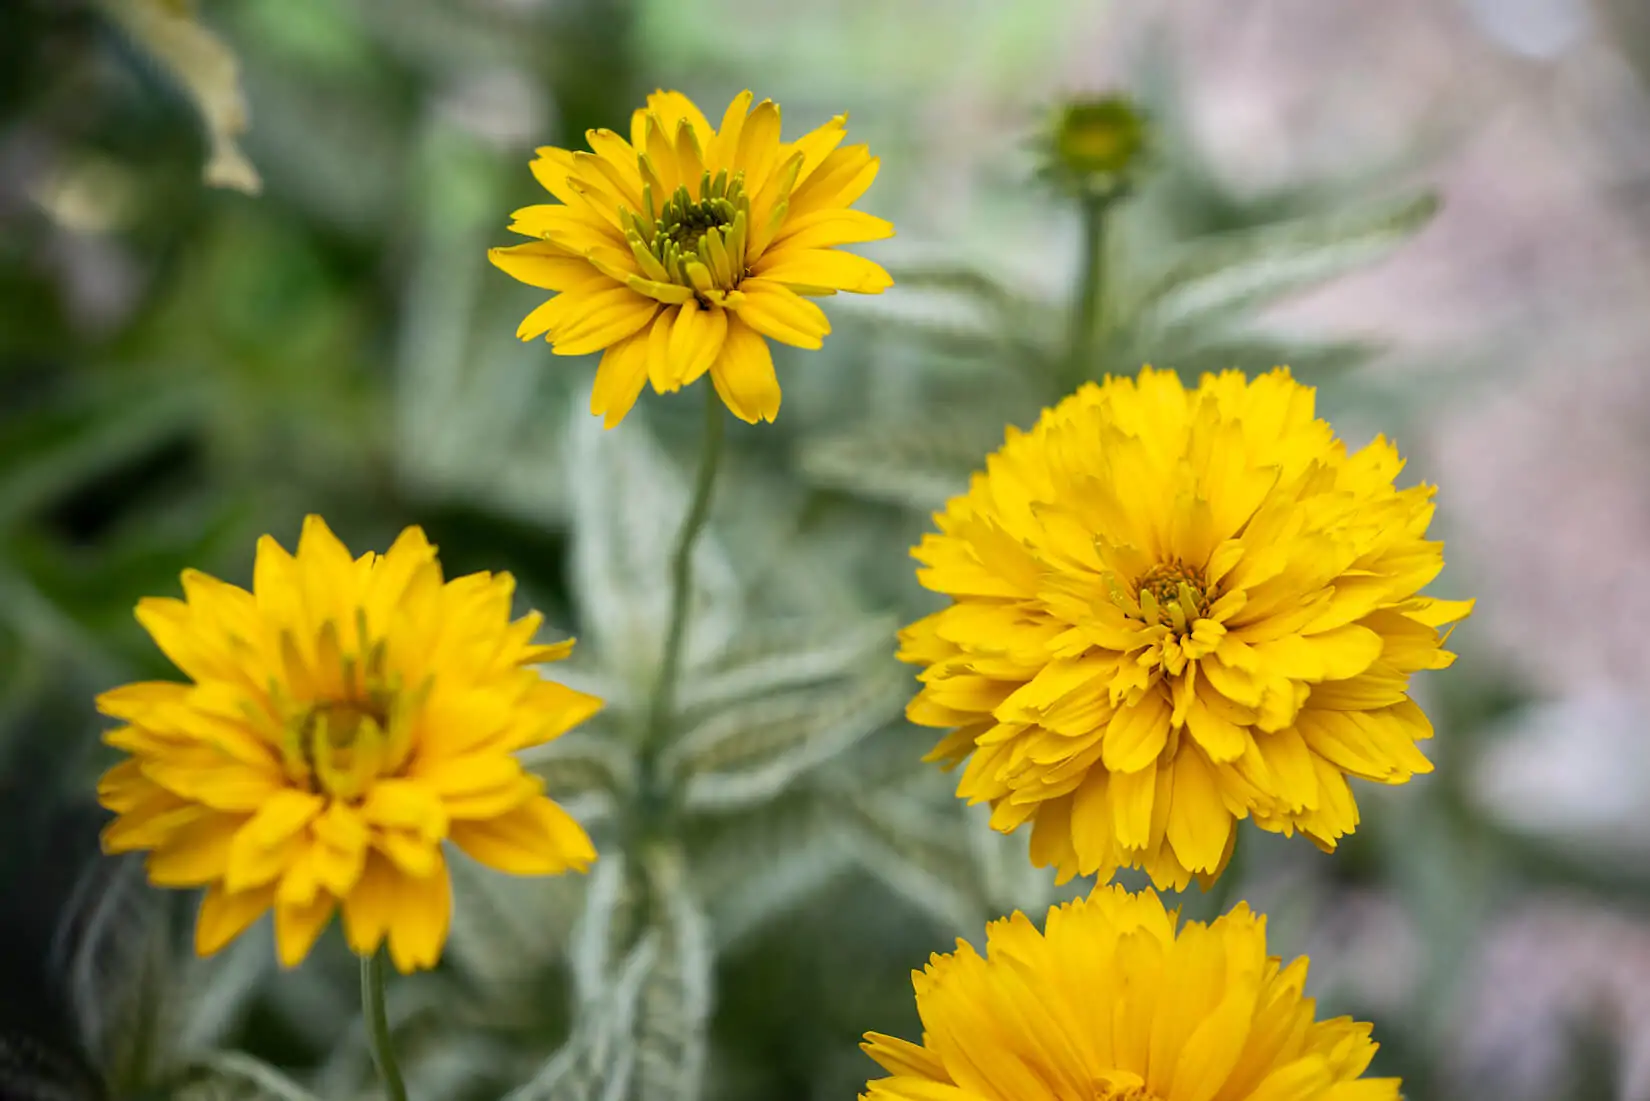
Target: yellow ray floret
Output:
[(1172, 610), (686, 248), (341, 721), (1113, 1003)]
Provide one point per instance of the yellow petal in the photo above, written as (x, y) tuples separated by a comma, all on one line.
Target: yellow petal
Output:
[(1199, 822), (777, 311), (225, 915), (418, 926), (619, 379), (298, 925), (696, 339), (541, 264), (537, 838), (744, 375), (817, 271)]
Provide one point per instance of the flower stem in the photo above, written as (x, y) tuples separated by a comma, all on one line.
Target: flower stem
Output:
[(378, 1025), (1087, 308), (662, 705)]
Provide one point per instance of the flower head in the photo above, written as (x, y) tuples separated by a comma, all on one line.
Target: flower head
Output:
[(1174, 609), (1096, 144), (681, 250), (1113, 1003), (342, 720)]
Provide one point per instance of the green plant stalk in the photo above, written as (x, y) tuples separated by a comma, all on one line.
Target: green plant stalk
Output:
[(663, 701), (1088, 305), (378, 1026)]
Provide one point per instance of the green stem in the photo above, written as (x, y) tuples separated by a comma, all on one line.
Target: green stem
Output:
[(378, 1025), (1087, 310), (662, 704)]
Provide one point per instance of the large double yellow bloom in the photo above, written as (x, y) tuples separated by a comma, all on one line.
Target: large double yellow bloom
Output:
[(344, 719), (685, 248), (1113, 1003), (1175, 609)]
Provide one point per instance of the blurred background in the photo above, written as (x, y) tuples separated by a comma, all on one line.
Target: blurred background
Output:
[(243, 277)]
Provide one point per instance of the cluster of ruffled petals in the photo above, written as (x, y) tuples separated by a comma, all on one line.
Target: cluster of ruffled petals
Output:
[(341, 721), (1114, 1003), (686, 248), (1173, 609)]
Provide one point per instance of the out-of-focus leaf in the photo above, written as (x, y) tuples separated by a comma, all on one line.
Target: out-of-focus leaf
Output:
[(208, 71), (54, 450), (598, 1062), (674, 1006), (915, 464), (773, 657), (921, 854), (628, 499), (30, 1071), (1257, 353), (757, 864), (233, 1076), (581, 765), (507, 929), (751, 751), (1227, 274)]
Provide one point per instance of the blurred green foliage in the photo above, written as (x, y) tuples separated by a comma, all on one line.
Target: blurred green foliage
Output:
[(185, 369)]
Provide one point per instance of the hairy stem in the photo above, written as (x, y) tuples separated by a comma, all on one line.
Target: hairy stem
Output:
[(1087, 308), (378, 1026), (662, 704)]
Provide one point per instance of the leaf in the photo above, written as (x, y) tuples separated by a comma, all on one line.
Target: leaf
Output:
[(921, 854), (598, 1062), (674, 1006), (750, 752), (628, 501), (604, 926), (776, 656), (30, 1071), (507, 930), (916, 464), (232, 1076), (1228, 274), (207, 70), (579, 765), (1257, 353), (757, 864)]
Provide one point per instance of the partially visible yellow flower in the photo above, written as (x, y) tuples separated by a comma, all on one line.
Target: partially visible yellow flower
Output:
[(342, 720), (685, 248), (1172, 610), (1113, 1003)]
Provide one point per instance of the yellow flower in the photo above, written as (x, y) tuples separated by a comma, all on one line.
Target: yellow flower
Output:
[(680, 250), (1171, 610), (1112, 1003), (344, 719)]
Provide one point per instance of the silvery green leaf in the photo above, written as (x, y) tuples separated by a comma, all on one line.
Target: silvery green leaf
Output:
[(507, 929), (916, 464), (758, 864), (751, 751), (1228, 274), (629, 499), (31, 1071), (921, 854), (214, 995), (674, 1006), (581, 764), (603, 927), (233, 1076), (776, 656), (598, 1061)]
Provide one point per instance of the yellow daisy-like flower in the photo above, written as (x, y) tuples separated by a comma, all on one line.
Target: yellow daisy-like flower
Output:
[(1113, 1003), (1172, 610), (345, 717), (680, 250)]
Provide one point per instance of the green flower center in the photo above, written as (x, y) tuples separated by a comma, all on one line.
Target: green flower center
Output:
[(344, 744), (697, 243), (1173, 593)]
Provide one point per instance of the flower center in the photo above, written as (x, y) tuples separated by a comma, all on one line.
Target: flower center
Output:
[(1121, 1086), (346, 744), (1173, 593), (698, 243)]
